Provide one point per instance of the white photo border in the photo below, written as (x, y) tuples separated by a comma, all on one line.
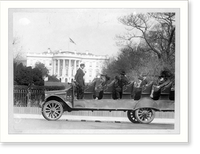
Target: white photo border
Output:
[(5, 72)]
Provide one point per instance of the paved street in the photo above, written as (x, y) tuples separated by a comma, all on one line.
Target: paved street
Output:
[(37, 124)]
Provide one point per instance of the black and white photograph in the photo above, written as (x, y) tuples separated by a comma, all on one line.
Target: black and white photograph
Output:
[(93, 71)]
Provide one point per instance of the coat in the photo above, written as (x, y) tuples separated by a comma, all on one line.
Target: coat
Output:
[(143, 83), (79, 77), (123, 81)]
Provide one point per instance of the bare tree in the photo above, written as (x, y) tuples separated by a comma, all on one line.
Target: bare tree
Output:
[(166, 34), (156, 32), (17, 50)]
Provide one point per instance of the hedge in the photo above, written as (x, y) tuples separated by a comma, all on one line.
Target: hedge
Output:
[(47, 88)]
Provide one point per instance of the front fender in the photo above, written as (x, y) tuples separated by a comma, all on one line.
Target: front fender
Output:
[(66, 105), (146, 103)]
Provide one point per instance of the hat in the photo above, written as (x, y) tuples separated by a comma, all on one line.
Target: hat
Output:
[(82, 64), (107, 77), (144, 75), (123, 73), (140, 78)]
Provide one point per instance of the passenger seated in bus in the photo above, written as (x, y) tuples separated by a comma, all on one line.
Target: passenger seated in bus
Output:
[(116, 88), (123, 80), (100, 84), (156, 88), (171, 95), (138, 86), (142, 80)]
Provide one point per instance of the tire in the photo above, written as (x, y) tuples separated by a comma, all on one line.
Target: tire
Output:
[(131, 116), (52, 110), (145, 115)]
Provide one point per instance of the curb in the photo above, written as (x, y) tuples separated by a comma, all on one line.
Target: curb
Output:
[(92, 118)]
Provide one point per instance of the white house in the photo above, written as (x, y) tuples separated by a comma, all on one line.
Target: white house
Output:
[(64, 64)]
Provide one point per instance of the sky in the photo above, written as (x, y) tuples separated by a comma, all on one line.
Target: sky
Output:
[(92, 30)]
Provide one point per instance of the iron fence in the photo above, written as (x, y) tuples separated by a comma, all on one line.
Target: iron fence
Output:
[(25, 96)]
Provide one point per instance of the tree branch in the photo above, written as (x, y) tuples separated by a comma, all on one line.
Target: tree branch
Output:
[(135, 37), (170, 39), (156, 51)]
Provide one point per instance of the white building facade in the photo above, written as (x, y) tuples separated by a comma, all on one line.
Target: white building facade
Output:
[(64, 64)]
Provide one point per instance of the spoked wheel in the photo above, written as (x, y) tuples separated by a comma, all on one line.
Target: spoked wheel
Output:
[(145, 115), (131, 116), (52, 110)]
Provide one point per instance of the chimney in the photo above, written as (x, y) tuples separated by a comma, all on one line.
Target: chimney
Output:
[(49, 50)]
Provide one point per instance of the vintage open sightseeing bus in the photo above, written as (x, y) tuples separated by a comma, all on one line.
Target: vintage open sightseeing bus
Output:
[(138, 104)]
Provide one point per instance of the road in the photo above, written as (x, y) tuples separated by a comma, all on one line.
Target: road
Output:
[(62, 126)]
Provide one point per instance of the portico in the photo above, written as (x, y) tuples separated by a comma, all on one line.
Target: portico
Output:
[(65, 69)]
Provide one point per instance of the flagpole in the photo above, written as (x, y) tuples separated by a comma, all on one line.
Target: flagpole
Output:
[(71, 41)]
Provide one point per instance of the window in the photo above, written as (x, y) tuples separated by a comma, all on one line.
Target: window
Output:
[(90, 73), (97, 71), (90, 64), (31, 62), (97, 64)]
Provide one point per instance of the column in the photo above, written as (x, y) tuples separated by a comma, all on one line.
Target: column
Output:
[(54, 66), (69, 70), (77, 64), (74, 67), (66, 67), (63, 71), (58, 67)]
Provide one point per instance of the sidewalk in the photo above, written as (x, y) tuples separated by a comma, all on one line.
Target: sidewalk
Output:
[(92, 118)]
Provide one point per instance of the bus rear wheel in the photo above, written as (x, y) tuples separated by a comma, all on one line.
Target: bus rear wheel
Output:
[(144, 115)]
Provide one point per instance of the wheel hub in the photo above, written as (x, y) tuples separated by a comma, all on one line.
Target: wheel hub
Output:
[(145, 114), (53, 109)]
